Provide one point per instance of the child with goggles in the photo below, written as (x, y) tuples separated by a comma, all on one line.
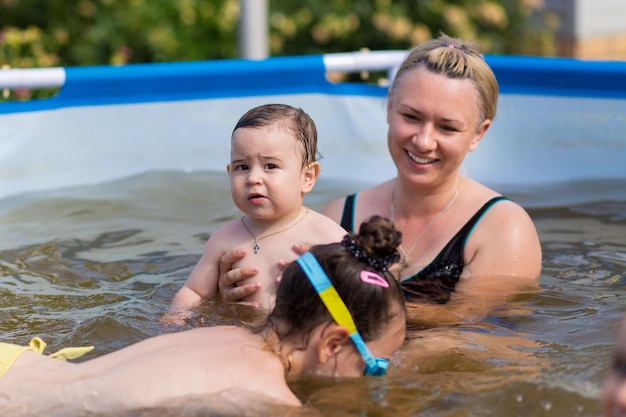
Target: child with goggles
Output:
[(338, 313)]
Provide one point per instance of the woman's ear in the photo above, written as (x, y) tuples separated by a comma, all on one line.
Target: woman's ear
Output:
[(310, 174), (332, 340), (479, 134)]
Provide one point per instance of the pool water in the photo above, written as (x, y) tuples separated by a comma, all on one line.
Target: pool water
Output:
[(99, 265)]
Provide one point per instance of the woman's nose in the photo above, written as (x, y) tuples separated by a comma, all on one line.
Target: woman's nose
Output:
[(424, 138)]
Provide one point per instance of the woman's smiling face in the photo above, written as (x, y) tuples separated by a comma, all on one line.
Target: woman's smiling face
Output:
[(433, 123)]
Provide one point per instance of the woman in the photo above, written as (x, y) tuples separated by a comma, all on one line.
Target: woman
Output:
[(338, 313), (466, 247)]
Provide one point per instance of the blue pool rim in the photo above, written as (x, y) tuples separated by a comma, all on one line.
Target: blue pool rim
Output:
[(198, 80)]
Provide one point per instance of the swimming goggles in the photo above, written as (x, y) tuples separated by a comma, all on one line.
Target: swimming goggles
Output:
[(340, 313)]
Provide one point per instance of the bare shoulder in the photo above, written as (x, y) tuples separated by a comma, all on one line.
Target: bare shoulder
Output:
[(228, 236), (509, 215), (504, 242), (505, 213), (323, 229), (334, 209), (225, 238), (368, 201)]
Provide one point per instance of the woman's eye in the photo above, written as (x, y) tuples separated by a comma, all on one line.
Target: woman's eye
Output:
[(449, 129)]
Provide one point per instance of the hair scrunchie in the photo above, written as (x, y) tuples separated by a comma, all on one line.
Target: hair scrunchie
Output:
[(379, 262)]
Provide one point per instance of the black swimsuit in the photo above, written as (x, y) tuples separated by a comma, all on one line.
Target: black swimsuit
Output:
[(437, 280)]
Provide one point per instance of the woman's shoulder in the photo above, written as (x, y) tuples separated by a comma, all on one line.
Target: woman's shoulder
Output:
[(377, 191), (491, 205), (368, 197), (482, 196), (505, 237), (506, 216)]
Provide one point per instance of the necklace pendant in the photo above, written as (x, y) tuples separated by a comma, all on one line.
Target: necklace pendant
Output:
[(256, 247), (404, 262)]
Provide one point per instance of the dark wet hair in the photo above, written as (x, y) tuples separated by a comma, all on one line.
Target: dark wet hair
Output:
[(299, 309), (294, 119)]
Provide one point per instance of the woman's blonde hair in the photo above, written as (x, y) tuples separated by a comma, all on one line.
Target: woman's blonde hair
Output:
[(455, 58)]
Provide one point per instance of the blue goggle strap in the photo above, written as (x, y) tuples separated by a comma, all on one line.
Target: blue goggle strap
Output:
[(339, 312)]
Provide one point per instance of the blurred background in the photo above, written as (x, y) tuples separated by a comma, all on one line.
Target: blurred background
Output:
[(46, 33)]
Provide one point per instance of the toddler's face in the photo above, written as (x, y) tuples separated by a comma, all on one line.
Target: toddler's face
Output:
[(614, 396), (266, 175)]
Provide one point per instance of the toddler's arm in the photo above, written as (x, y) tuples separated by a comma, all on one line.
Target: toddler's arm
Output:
[(201, 283)]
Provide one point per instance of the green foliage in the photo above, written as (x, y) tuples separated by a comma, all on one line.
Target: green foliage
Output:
[(499, 26), (41, 33), (92, 32)]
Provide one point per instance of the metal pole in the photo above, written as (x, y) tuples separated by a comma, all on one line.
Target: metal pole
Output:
[(253, 29)]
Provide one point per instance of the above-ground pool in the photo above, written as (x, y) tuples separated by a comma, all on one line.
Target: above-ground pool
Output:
[(110, 190)]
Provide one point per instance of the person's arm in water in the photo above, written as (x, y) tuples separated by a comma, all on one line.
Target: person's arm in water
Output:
[(471, 302), (502, 261), (203, 280)]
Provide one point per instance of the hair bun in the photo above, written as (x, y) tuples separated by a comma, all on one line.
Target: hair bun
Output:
[(376, 243)]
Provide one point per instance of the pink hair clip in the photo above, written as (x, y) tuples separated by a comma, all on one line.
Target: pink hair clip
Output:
[(373, 278)]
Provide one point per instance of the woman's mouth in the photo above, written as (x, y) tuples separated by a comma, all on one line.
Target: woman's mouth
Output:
[(419, 160)]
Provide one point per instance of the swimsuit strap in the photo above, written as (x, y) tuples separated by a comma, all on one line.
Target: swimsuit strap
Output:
[(453, 251), (347, 217), (436, 281)]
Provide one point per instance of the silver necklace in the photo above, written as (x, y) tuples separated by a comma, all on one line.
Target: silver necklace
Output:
[(257, 247), (405, 260)]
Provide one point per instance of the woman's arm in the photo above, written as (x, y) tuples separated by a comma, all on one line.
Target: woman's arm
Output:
[(229, 278), (473, 300), (502, 261), (505, 242)]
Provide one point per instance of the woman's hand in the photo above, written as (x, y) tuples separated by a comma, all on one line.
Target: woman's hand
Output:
[(229, 278), (300, 249)]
